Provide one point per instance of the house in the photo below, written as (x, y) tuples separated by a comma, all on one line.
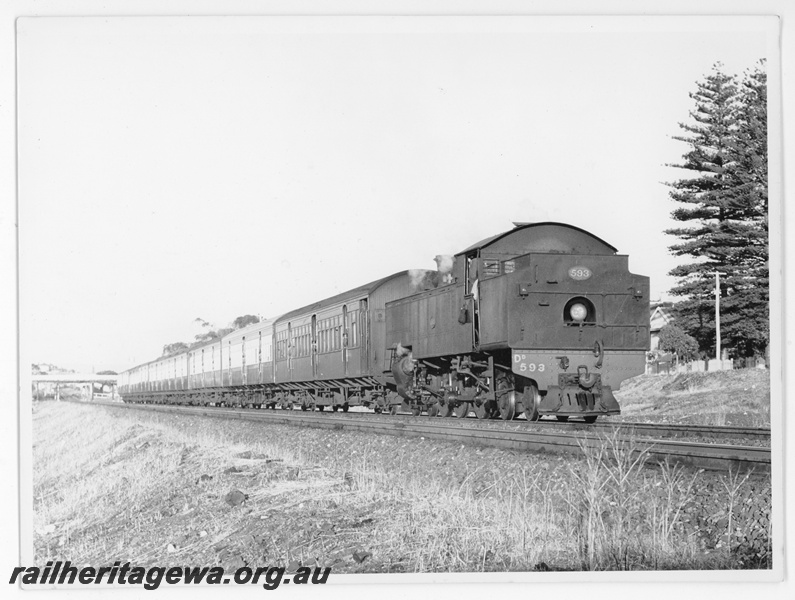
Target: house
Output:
[(661, 314)]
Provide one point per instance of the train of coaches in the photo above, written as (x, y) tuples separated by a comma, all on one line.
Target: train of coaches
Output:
[(542, 320)]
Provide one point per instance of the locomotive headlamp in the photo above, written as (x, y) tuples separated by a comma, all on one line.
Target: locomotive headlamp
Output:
[(578, 312)]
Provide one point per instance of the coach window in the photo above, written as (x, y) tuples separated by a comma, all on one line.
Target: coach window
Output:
[(354, 337)]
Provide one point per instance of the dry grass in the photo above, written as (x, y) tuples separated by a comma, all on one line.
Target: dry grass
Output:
[(114, 485), (739, 398)]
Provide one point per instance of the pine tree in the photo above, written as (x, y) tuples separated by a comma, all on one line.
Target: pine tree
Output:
[(747, 300), (725, 207)]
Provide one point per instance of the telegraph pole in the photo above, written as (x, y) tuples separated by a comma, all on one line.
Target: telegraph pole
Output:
[(717, 315)]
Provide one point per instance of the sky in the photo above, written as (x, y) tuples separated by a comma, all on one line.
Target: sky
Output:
[(179, 168)]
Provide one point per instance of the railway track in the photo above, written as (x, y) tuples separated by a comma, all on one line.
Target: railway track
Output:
[(573, 440), (757, 435), (691, 431)]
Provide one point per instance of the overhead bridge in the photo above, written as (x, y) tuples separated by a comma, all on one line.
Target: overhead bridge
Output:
[(86, 379)]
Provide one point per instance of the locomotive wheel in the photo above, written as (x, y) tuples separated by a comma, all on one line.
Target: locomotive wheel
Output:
[(446, 410), (393, 409), (507, 405), (506, 399), (562, 418), (590, 418), (483, 411), (433, 410), (462, 410), (416, 411), (531, 398)]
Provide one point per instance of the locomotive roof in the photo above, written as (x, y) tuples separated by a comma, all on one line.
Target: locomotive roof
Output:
[(367, 289), (525, 226)]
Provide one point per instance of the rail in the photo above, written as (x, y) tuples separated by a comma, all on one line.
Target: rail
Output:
[(702, 455)]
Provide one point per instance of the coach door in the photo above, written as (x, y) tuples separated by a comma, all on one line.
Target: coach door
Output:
[(363, 336), (290, 350), (352, 340), (243, 355), (344, 340), (259, 358), (313, 346)]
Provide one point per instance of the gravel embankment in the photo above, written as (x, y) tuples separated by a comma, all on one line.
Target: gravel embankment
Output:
[(205, 491)]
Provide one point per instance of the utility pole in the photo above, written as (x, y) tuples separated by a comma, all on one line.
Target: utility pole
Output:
[(717, 315)]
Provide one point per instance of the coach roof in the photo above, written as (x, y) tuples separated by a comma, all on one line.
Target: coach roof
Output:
[(362, 290)]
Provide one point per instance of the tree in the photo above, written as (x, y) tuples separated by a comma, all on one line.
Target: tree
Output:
[(173, 349), (209, 335), (245, 320), (725, 208), (674, 340)]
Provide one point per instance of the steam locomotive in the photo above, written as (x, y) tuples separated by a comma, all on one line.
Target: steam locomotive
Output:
[(542, 320)]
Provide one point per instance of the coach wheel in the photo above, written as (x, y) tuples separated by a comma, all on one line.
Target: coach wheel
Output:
[(462, 410), (335, 408), (320, 407), (562, 418), (304, 407), (393, 409), (590, 418), (531, 399), (345, 407)]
